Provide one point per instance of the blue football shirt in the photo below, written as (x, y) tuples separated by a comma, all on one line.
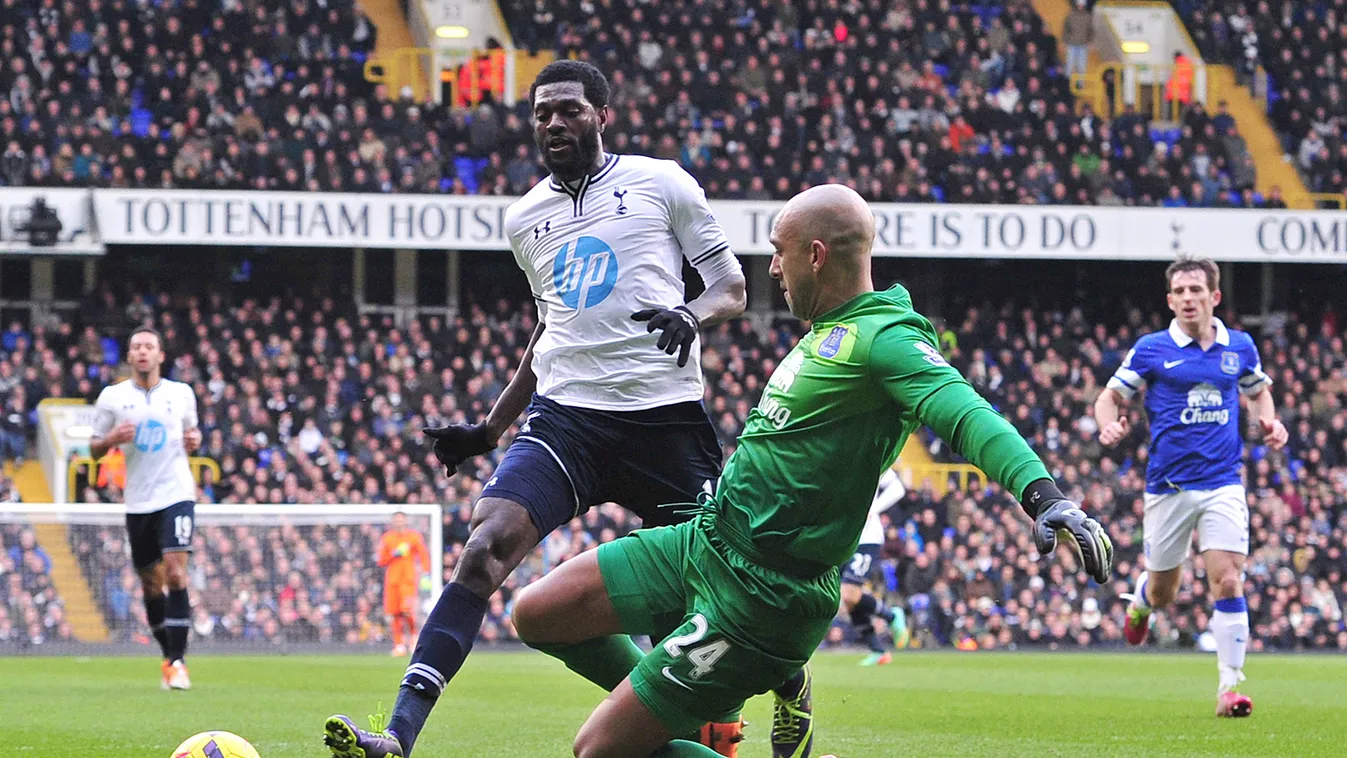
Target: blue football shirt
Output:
[(1192, 399)]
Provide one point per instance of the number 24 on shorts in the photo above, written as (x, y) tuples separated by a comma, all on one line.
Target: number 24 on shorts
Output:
[(703, 657)]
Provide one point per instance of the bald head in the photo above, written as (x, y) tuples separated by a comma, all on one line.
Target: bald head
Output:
[(833, 214), (822, 239)]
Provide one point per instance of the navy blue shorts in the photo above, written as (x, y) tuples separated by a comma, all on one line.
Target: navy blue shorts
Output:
[(167, 530), (857, 570), (566, 460)]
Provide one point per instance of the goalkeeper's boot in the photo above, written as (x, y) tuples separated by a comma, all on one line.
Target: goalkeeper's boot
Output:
[(177, 676), (1230, 702), (345, 740), (723, 738), (793, 721), (1138, 614)]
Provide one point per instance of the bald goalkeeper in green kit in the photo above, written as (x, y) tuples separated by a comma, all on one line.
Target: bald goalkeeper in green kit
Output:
[(755, 575)]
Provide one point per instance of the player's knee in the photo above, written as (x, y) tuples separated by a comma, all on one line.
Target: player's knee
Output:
[(1228, 585), (176, 579), (594, 743), (151, 583), (502, 534), (851, 594), (1161, 594), (528, 616)]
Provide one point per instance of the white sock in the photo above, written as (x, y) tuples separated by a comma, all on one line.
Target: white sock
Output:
[(1230, 627), (1140, 600)]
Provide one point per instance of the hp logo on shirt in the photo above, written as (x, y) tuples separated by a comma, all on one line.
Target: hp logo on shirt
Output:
[(150, 437), (584, 272)]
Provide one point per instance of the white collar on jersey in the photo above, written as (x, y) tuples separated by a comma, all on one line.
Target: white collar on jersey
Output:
[(1182, 339)]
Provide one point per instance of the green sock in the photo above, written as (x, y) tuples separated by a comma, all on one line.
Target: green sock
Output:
[(685, 749), (605, 661)]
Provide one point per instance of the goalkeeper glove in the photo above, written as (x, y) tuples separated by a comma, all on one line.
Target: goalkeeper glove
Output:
[(458, 442), (1054, 515), (679, 327)]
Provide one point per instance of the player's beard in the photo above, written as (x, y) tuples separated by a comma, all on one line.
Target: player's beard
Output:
[(580, 162)]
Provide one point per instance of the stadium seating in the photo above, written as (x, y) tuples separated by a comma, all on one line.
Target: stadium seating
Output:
[(924, 102), (31, 611), (961, 561), (1299, 47)]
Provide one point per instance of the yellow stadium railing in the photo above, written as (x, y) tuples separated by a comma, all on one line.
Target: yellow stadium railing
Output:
[(406, 65), (1326, 200), (942, 477), (1149, 97), (197, 463)]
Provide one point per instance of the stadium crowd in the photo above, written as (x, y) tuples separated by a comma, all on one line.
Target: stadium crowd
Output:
[(919, 101), (304, 402), (1302, 49)]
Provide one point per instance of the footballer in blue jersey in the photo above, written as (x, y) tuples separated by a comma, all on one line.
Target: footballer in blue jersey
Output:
[(1193, 375)]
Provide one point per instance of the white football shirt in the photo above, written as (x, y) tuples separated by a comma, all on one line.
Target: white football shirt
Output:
[(157, 473), (595, 253), (889, 492)]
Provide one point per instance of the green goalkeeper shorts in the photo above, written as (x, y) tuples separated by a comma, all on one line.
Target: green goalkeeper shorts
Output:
[(744, 629)]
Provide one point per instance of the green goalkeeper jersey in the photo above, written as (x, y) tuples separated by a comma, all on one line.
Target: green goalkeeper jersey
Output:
[(836, 412)]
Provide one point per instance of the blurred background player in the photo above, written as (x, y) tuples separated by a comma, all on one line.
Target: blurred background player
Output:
[(153, 421), (1193, 374), (861, 607), (603, 242), (755, 575), (403, 556)]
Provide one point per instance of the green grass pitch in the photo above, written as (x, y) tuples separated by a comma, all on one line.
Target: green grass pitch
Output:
[(522, 705)]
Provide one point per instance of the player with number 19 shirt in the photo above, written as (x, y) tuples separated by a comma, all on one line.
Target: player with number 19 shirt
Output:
[(154, 422)]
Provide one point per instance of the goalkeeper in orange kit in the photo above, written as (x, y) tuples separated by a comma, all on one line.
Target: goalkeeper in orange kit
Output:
[(402, 553)]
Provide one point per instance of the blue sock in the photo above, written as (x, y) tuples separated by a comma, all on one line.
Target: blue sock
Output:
[(444, 643)]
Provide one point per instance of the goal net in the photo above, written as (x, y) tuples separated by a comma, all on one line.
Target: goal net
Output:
[(261, 577)]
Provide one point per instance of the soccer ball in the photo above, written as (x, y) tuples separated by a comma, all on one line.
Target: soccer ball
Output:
[(215, 745)]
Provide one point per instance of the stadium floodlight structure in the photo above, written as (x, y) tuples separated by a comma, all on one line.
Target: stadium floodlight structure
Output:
[(261, 576)]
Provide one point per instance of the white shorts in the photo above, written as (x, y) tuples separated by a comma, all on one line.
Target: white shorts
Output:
[(1220, 516)]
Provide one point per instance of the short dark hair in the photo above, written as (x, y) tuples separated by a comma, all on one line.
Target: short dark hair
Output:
[(147, 330), (1188, 263), (566, 70)]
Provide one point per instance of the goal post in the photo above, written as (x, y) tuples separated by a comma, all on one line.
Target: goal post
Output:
[(260, 575)]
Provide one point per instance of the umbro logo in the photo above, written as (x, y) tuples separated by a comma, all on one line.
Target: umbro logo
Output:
[(541, 229)]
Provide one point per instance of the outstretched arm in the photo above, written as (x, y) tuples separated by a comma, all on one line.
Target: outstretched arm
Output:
[(457, 443), (917, 377)]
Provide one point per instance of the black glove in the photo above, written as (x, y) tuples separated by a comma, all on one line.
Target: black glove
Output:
[(457, 443), (1053, 514), (680, 329)]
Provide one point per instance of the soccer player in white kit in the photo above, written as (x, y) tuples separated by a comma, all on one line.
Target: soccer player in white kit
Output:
[(611, 416), (154, 421), (1193, 374), (860, 606)]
